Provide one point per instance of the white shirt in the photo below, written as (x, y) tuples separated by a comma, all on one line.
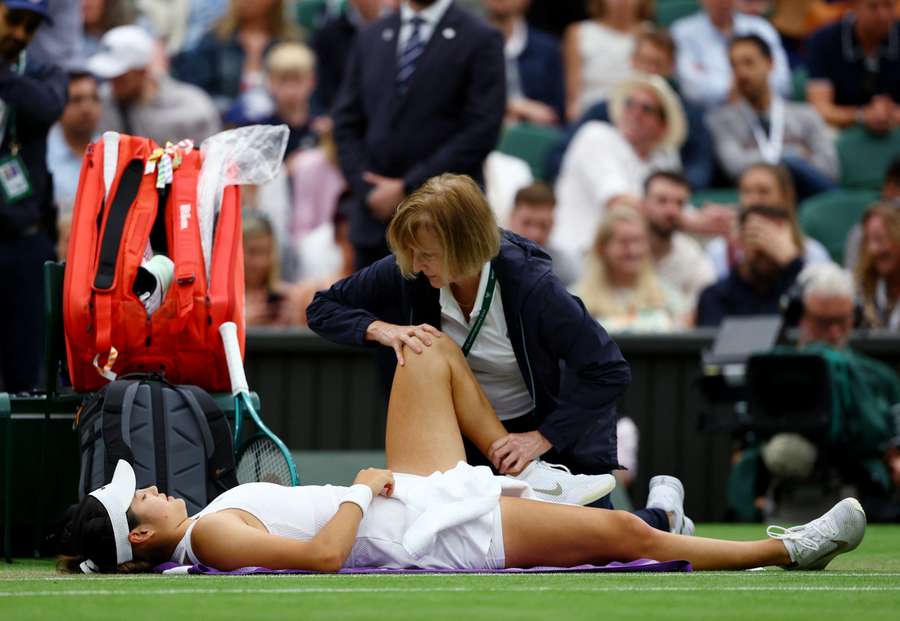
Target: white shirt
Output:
[(686, 267), (605, 60), (492, 359), (432, 16), (702, 65), (598, 165)]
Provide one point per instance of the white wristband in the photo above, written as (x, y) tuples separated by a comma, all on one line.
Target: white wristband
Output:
[(360, 495)]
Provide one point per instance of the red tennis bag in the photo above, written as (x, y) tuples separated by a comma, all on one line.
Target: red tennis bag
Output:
[(134, 196)]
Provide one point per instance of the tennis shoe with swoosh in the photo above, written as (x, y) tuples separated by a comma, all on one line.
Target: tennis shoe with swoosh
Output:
[(556, 483), (813, 545)]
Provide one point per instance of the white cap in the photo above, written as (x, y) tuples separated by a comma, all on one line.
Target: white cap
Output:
[(122, 49), (116, 498)]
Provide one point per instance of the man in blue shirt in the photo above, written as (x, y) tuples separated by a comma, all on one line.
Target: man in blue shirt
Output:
[(69, 138), (854, 68), (31, 99)]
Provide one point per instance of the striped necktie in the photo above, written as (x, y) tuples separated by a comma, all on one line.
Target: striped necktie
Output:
[(414, 48)]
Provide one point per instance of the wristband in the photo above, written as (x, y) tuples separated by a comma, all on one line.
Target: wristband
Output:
[(360, 495)]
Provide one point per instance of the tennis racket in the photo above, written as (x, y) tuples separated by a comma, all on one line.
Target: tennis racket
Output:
[(262, 456)]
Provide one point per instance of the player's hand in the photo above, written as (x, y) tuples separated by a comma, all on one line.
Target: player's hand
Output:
[(396, 337), (380, 481), (511, 453)]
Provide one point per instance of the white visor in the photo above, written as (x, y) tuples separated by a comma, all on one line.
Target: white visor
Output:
[(116, 498)]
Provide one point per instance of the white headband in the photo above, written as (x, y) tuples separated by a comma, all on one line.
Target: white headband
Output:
[(116, 498)]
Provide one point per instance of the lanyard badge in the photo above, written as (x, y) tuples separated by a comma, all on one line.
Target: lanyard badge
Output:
[(482, 314), (14, 181)]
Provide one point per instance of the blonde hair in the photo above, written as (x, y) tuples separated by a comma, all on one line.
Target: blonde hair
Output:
[(255, 225), (594, 288), (454, 208), (290, 58), (279, 26), (866, 276)]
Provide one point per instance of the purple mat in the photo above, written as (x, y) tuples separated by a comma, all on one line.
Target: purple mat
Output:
[(642, 565)]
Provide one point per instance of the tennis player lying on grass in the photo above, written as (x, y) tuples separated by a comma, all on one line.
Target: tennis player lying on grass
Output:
[(440, 513)]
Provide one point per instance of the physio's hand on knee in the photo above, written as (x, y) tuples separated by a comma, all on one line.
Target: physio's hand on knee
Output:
[(394, 336), (511, 453), (379, 481)]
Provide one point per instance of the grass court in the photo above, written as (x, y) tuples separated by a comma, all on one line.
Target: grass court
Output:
[(861, 586)]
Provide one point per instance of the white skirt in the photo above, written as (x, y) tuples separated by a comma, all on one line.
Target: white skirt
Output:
[(448, 520)]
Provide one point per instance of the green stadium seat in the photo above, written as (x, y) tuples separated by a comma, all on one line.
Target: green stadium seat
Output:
[(530, 143), (723, 196), (865, 158), (799, 77), (667, 11), (310, 13), (829, 217)]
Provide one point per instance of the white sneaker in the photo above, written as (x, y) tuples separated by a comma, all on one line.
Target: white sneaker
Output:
[(555, 483), (667, 493), (813, 545)]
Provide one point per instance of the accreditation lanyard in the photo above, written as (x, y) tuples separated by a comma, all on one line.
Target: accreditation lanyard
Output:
[(482, 314), (770, 146)]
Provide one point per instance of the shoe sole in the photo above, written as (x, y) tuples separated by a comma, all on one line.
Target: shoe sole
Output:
[(847, 547), (598, 493)]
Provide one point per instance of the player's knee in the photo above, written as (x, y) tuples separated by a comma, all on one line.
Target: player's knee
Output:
[(635, 532), (446, 347)]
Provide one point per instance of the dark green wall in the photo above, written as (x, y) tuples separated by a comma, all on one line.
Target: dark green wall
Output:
[(320, 396)]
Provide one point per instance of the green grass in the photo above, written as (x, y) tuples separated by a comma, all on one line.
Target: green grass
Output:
[(863, 585)]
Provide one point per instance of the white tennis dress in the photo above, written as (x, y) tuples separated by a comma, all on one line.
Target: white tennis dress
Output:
[(449, 520)]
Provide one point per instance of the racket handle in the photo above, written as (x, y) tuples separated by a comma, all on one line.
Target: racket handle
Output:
[(228, 330)]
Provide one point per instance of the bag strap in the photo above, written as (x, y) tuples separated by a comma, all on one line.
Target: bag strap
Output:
[(116, 449), (126, 193), (158, 411), (220, 460), (104, 279), (185, 236)]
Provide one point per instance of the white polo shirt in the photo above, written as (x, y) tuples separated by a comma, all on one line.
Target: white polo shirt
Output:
[(492, 359)]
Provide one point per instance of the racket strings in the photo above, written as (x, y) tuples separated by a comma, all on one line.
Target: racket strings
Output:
[(262, 461)]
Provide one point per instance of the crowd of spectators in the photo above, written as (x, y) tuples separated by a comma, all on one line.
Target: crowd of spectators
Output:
[(380, 95)]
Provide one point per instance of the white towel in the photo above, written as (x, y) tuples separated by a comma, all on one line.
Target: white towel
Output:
[(463, 495)]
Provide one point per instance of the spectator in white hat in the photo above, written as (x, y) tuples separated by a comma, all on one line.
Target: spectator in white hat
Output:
[(608, 163), (142, 101)]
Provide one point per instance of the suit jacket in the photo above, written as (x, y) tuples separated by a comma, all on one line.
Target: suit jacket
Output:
[(448, 120), (805, 136), (332, 44), (541, 70)]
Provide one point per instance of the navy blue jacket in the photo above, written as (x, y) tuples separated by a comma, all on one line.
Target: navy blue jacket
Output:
[(541, 70), (448, 120), (574, 371), (38, 98), (734, 296), (332, 44)]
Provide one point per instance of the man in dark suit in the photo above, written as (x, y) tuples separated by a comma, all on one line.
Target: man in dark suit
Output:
[(424, 94), (534, 70), (334, 40)]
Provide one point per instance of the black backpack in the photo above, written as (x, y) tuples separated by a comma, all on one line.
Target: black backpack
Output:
[(175, 437)]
